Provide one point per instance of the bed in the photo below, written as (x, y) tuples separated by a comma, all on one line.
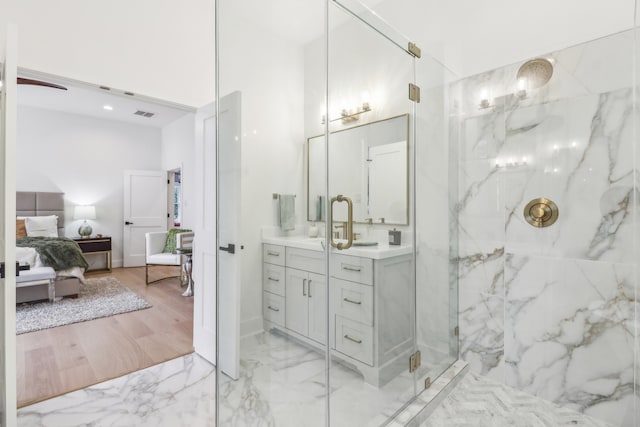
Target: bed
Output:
[(51, 274)]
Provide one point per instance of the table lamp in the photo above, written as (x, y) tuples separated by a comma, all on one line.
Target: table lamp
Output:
[(84, 213)]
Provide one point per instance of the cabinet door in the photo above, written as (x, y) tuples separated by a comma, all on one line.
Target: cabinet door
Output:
[(318, 308), (296, 301)]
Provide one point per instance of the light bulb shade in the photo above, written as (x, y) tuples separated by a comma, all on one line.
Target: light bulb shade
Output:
[(84, 212)]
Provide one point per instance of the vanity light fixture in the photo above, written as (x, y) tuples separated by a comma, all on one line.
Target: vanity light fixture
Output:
[(521, 91), (484, 99), (350, 115)]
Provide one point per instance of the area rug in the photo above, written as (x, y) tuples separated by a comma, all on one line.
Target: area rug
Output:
[(98, 298)]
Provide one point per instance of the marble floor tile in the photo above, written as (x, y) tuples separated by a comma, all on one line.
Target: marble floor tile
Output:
[(176, 393)]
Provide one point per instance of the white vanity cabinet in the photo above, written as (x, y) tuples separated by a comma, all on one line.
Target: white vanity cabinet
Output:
[(306, 301), (371, 306), (306, 304), (273, 284)]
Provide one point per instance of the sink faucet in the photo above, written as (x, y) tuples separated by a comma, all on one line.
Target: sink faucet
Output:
[(344, 227)]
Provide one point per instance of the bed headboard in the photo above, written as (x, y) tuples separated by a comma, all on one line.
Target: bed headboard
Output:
[(34, 203)]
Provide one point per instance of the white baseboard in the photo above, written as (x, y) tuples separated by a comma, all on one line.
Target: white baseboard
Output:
[(250, 326)]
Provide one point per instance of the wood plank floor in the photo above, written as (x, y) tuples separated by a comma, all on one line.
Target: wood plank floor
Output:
[(59, 360)]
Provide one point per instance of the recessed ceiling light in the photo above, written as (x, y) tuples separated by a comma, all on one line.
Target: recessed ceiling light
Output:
[(107, 107)]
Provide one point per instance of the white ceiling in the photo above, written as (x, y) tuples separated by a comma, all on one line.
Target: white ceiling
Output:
[(90, 101), (467, 36)]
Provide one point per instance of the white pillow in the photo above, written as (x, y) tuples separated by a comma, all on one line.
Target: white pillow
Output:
[(41, 226), (26, 256)]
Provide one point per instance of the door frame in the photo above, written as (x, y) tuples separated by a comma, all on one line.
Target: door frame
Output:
[(9, 391)]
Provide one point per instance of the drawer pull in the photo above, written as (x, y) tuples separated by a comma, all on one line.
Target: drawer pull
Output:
[(273, 253), (273, 280), (273, 309), (352, 301), (346, 267), (353, 339)]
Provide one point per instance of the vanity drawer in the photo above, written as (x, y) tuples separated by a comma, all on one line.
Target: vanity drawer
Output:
[(273, 254), (353, 301), (273, 308), (273, 278), (307, 260), (354, 339), (352, 268)]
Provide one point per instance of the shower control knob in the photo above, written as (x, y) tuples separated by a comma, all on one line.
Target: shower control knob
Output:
[(541, 212)]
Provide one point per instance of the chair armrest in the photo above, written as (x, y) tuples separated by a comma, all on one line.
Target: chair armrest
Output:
[(154, 242), (184, 240)]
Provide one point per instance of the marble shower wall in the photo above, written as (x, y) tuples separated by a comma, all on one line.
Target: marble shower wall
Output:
[(552, 311)]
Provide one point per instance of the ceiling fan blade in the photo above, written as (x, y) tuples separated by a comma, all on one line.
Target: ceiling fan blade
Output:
[(23, 81)]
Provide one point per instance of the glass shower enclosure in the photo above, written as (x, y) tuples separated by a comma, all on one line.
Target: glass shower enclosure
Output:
[(347, 306)]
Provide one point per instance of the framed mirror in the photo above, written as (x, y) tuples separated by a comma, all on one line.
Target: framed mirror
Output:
[(368, 163)]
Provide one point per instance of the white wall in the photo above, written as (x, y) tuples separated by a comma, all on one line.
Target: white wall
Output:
[(271, 81), (177, 152), (471, 36), (158, 48), (84, 158)]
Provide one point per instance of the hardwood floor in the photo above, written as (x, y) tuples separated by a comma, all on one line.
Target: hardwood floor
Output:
[(59, 360)]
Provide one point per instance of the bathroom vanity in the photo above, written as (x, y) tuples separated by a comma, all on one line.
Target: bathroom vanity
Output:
[(370, 308)]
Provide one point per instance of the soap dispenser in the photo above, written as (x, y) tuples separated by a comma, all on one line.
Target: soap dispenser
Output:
[(394, 237)]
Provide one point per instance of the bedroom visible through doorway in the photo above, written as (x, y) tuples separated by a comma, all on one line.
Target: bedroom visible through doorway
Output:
[(65, 358)]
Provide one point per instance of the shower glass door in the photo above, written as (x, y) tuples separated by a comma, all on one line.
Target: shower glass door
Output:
[(370, 221)]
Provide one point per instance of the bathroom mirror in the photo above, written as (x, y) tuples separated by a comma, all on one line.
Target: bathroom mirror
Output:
[(369, 164)]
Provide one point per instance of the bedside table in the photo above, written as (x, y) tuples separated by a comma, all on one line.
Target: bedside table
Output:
[(96, 245)]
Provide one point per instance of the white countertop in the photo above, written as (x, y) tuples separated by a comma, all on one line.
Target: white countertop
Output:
[(380, 251)]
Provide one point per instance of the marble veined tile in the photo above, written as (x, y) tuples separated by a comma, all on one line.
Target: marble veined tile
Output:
[(581, 155), (283, 383), (481, 307), (176, 393), (480, 402), (569, 334)]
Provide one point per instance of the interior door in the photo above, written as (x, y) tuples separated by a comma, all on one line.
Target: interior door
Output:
[(209, 235), (204, 244), (7, 231), (145, 210), (229, 245)]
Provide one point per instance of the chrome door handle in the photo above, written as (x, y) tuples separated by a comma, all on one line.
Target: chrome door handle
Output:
[(352, 301), (346, 267), (273, 253), (273, 309), (304, 284), (128, 223), (349, 231), (309, 288), (273, 280)]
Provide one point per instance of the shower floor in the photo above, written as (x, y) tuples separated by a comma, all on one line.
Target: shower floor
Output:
[(477, 401)]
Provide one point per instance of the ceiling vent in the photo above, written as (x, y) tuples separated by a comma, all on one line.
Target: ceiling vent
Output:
[(144, 113)]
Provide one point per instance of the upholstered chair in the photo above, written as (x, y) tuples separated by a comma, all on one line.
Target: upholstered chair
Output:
[(154, 255)]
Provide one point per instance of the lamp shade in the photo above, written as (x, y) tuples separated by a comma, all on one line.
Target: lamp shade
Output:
[(84, 212)]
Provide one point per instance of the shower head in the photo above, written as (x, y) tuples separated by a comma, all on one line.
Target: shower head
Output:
[(537, 72)]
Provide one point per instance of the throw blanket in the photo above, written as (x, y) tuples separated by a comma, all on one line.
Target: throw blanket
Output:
[(58, 253)]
